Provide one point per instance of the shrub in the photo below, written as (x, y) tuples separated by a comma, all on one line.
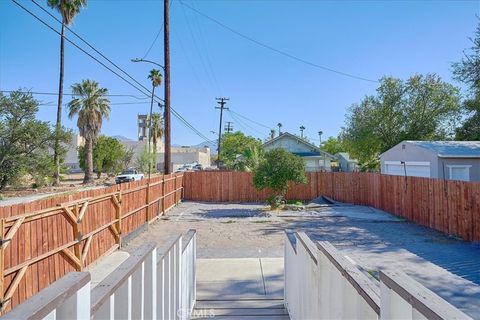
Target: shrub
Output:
[(276, 172)]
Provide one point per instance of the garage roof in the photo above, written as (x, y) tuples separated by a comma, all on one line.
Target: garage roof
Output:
[(451, 149)]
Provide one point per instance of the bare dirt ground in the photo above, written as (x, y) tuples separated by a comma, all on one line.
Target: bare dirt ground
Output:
[(373, 239)]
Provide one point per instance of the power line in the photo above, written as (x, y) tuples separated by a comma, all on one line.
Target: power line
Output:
[(153, 43), (210, 76), (183, 120), (86, 42), (253, 121), (71, 94), (281, 52)]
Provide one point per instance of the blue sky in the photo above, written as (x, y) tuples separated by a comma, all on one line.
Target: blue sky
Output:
[(369, 39)]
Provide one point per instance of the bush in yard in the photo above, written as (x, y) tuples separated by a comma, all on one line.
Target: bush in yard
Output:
[(279, 168)]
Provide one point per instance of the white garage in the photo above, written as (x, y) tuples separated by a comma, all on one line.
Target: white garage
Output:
[(408, 168)]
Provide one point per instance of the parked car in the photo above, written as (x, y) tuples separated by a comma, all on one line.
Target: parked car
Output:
[(129, 176), (197, 167)]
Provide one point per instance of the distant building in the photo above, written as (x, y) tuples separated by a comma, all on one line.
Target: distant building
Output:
[(142, 124), (345, 164), (453, 160), (71, 157), (315, 159), (180, 155)]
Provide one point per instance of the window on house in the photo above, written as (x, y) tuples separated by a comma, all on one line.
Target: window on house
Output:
[(459, 173)]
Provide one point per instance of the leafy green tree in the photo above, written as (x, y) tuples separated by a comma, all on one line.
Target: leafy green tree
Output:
[(332, 145), (250, 159), (25, 142), (128, 157), (91, 105), (68, 10), (421, 108), (468, 72), (237, 145), (277, 171), (146, 161), (108, 156)]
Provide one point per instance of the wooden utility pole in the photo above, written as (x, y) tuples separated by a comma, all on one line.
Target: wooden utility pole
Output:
[(221, 102), (166, 116)]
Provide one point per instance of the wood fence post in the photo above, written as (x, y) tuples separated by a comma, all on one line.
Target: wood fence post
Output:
[(2, 265), (163, 194), (78, 236), (147, 200)]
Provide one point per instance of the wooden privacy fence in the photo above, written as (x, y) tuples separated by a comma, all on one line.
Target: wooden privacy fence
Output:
[(43, 240), (450, 206)]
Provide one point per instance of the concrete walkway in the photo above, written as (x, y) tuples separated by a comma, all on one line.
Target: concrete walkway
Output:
[(250, 288)]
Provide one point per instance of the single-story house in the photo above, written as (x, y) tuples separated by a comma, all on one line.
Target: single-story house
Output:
[(315, 159), (453, 160), (345, 163)]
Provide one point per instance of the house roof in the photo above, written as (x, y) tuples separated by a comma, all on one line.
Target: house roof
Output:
[(451, 149), (317, 151)]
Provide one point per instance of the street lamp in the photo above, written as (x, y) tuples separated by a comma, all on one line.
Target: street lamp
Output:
[(147, 61)]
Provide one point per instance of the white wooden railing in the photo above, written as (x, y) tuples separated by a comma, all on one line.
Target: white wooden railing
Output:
[(153, 283), (320, 283)]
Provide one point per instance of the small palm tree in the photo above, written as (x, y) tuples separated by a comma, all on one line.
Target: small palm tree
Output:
[(89, 102), (68, 9), (272, 134), (157, 129)]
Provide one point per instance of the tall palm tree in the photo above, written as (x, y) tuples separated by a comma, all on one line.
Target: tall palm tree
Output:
[(279, 125), (68, 9), (156, 77), (301, 130), (157, 129), (89, 102)]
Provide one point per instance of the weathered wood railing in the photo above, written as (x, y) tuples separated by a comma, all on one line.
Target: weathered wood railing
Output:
[(153, 283), (38, 247), (320, 283)]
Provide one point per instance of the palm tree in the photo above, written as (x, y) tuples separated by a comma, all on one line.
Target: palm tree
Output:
[(68, 9), (279, 125), (89, 102), (157, 129), (272, 134), (156, 77)]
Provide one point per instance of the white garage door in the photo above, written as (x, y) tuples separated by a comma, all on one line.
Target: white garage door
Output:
[(414, 169)]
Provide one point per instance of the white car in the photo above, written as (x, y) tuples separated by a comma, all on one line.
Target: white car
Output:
[(129, 176)]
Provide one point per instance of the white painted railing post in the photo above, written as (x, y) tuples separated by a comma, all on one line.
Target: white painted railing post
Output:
[(151, 285), (75, 306), (123, 300)]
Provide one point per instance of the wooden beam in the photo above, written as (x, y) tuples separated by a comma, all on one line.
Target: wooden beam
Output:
[(86, 248), (11, 232), (75, 262), (82, 211), (115, 232), (13, 286), (70, 215)]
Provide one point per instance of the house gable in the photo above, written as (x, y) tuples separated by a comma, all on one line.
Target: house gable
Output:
[(295, 145)]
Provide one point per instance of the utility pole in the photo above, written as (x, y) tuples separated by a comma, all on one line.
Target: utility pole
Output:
[(229, 126), (221, 102), (301, 131), (166, 116)]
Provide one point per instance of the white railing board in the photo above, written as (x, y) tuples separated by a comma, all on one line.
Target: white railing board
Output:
[(356, 278), (321, 283), (404, 297), (153, 283), (109, 285), (63, 299)]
